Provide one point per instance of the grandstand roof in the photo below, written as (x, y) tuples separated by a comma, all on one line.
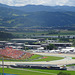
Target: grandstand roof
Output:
[(3, 41), (33, 45), (61, 43), (26, 39)]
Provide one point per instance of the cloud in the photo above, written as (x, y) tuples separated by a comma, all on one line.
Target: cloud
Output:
[(38, 2), (71, 2)]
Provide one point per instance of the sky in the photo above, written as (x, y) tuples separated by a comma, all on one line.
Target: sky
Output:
[(38, 2)]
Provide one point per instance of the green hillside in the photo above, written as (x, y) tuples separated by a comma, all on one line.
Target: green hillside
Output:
[(16, 18)]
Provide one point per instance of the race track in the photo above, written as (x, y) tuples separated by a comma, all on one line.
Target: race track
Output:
[(64, 61)]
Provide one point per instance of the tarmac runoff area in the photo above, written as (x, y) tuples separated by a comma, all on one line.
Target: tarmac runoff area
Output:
[(56, 54), (66, 60)]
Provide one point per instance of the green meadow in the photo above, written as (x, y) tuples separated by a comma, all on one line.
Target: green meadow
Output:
[(34, 71)]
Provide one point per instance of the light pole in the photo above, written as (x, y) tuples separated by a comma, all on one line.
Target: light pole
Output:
[(3, 64)]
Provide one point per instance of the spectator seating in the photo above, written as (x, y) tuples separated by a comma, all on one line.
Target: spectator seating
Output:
[(15, 54)]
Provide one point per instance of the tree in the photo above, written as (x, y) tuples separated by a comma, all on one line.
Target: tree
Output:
[(5, 36), (63, 73), (50, 47)]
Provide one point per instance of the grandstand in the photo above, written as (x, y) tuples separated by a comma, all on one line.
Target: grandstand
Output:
[(14, 54)]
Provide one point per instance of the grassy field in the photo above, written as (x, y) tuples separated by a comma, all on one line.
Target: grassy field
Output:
[(28, 33), (62, 32), (36, 58), (21, 34), (48, 58), (73, 57), (34, 71), (71, 65)]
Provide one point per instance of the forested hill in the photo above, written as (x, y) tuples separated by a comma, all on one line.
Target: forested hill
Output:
[(14, 17), (5, 36)]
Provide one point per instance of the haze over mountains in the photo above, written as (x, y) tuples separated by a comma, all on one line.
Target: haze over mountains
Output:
[(34, 8), (36, 16)]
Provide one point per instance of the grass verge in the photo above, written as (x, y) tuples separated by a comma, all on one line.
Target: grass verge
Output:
[(36, 58), (73, 57), (34, 71), (49, 58)]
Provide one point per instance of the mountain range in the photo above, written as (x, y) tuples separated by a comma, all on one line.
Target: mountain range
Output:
[(35, 8), (37, 16)]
